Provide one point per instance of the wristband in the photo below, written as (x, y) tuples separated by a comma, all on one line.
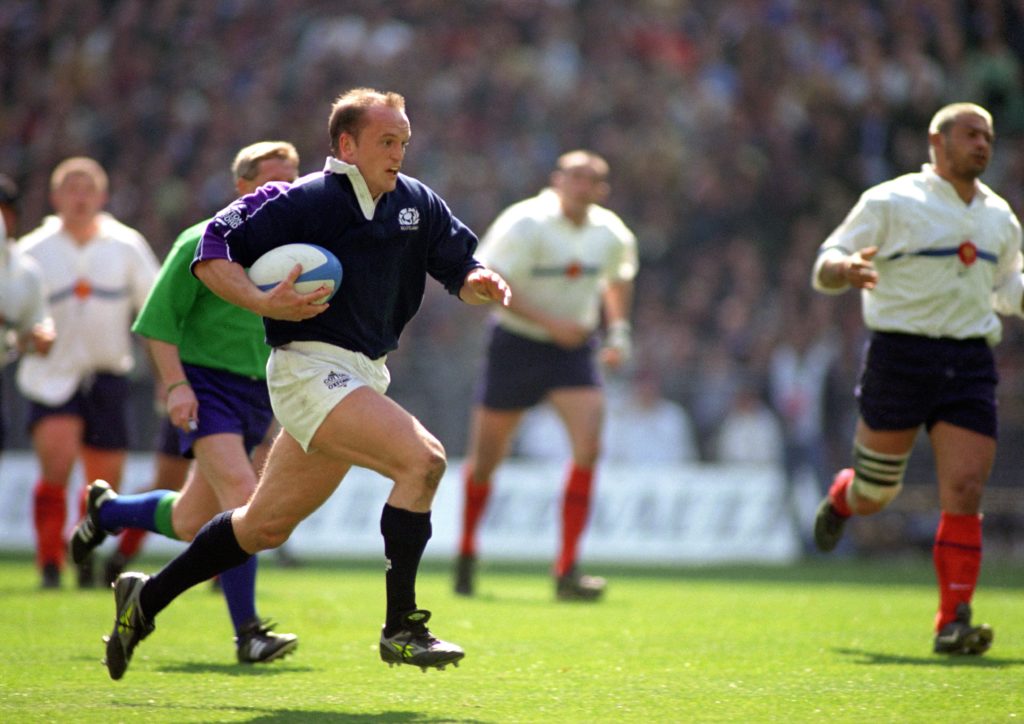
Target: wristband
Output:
[(179, 383), (619, 337)]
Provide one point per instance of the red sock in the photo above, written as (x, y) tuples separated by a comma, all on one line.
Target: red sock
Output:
[(50, 514), (837, 493), (957, 557), (575, 509), (130, 542), (476, 495)]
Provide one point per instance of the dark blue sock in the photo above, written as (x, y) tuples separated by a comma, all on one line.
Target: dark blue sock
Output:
[(214, 550), (239, 584), (405, 537), (133, 511)]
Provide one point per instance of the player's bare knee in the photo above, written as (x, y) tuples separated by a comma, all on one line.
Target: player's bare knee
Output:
[(267, 535), (877, 478), (433, 467), (964, 493)]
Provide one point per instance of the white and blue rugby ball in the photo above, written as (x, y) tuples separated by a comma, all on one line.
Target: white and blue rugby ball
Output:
[(320, 267)]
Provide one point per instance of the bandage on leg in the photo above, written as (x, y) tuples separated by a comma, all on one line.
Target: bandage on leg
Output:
[(877, 477)]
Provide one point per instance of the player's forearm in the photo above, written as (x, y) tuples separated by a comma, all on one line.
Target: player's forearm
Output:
[(618, 300), (829, 273), (229, 281), (166, 360)]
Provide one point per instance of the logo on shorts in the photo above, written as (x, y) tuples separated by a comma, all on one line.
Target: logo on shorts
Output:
[(409, 218), (334, 380)]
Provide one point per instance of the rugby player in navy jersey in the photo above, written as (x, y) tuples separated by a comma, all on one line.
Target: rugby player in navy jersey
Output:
[(327, 373)]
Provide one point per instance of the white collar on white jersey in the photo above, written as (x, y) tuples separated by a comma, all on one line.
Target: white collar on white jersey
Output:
[(980, 189), (366, 202)]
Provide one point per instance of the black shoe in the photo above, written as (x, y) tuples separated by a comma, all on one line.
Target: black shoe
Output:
[(828, 526), (88, 534), (86, 577), (465, 573), (414, 644), (257, 643), (130, 624), (51, 576), (959, 637), (113, 568), (576, 587)]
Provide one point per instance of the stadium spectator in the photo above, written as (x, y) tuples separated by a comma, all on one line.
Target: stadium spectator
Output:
[(211, 360), (642, 426), (327, 373), (97, 272), (750, 432), (935, 254), (798, 372), (568, 258)]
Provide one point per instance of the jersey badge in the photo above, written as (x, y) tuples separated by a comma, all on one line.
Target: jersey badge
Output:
[(967, 252), (409, 218)]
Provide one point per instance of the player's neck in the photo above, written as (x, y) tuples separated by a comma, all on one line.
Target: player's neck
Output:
[(80, 230), (965, 187)]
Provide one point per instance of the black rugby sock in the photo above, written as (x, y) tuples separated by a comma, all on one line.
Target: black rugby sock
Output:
[(214, 550), (405, 537)]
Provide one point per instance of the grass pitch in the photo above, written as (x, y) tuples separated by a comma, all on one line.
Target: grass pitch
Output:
[(828, 640)]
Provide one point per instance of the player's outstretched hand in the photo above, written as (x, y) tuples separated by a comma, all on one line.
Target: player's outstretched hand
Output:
[(860, 270), (283, 302), (483, 285)]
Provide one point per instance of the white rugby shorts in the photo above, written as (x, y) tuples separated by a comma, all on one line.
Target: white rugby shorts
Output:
[(307, 379)]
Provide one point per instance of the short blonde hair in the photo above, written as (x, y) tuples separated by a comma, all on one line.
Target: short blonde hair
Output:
[(583, 157), (947, 115), (247, 161), (79, 165)]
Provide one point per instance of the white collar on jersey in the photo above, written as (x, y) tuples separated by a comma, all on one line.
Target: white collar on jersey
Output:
[(366, 202)]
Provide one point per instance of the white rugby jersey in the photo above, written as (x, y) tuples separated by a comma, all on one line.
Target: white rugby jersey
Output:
[(944, 267), (94, 290), (560, 268), (22, 298)]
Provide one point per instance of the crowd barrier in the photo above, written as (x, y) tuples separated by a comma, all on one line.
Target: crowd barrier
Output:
[(652, 514)]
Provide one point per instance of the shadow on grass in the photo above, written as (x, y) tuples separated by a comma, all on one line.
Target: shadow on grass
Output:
[(903, 570), (228, 669), (877, 658), (266, 715)]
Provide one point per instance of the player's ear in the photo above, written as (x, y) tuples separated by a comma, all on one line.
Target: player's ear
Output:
[(346, 145)]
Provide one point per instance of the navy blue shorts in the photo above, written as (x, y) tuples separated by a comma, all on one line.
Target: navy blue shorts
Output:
[(102, 403), (227, 403), (519, 372), (908, 381)]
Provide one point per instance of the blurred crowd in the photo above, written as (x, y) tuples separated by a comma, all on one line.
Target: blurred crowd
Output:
[(739, 133)]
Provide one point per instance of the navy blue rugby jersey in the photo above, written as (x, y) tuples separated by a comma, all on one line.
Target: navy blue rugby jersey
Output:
[(384, 260)]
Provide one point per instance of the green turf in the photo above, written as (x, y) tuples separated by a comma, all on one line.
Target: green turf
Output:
[(837, 641)]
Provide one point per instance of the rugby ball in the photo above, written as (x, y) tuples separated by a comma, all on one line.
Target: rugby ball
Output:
[(320, 267)]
